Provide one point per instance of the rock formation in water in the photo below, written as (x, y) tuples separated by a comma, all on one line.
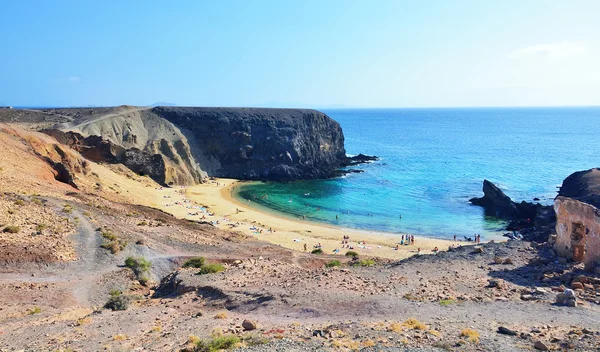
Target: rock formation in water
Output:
[(183, 146), (535, 221)]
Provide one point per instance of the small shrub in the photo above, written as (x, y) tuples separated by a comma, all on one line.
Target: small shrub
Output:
[(115, 292), (196, 262), (368, 343), (217, 344), (12, 229), (119, 302), (446, 302), (19, 202), (414, 324), (109, 235), (41, 227), (351, 254), (211, 269), (442, 345), (36, 201), (317, 251), (10, 211), (367, 262), (470, 334), (156, 329), (120, 337), (67, 209), (142, 223), (396, 327), (34, 310), (87, 213), (139, 265), (83, 321), (333, 263), (221, 315), (114, 246)]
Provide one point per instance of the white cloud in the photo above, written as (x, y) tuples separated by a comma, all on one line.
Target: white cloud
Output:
[(564, 49), (74, 79)]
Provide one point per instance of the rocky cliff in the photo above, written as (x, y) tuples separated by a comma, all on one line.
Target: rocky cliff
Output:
[(182, 146), (257, 144)]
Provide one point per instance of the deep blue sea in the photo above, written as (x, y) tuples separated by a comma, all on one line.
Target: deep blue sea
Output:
[(434, 160)]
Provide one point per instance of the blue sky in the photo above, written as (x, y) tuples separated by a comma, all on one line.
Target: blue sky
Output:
[(300, 53)]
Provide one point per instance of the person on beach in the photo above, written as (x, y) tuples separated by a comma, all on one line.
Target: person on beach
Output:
[(454, 238), (305, 247)]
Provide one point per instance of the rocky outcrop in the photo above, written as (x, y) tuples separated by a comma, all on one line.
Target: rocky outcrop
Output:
[(495, 202), (535, 221), (97, 149), (583, 186), (262, 144)]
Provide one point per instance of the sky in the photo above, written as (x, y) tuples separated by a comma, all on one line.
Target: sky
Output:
[(300, 53)]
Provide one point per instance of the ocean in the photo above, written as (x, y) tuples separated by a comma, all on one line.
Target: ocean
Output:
[(432, 161)]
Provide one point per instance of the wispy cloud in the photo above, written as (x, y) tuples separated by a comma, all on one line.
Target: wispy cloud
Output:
[(564, 49), (74, 79)]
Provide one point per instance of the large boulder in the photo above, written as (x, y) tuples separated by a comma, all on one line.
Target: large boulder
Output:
[(583, 186)]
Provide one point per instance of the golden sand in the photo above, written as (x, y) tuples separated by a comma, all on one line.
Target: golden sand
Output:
[(233, 214)]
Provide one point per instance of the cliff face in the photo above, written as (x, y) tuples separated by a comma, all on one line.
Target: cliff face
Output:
[(182, 146), (261, 144)]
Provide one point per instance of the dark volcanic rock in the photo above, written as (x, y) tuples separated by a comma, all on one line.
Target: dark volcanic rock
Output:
[(360, 159), (144, 163), (495, 202), (583, 186), (263, 144), (535, 221)]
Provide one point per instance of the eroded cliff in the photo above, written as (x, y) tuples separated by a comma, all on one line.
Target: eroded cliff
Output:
[(184, 145)]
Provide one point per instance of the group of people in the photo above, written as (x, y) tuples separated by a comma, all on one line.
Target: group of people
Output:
[(407, 240)]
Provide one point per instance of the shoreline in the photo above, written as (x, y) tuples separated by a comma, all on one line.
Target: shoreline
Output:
[(230, 213)]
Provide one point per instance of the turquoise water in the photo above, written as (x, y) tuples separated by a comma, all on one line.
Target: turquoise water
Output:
[(434, 160)]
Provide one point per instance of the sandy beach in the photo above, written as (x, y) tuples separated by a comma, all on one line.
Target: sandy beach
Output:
[(214, 202)]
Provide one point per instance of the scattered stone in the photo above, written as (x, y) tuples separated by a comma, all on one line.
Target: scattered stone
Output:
[(318, 333), (249, 325), (576, 285), (507, 261), (539, 345), (478, 249), (494, 283), (567, 298), (506, 331)]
